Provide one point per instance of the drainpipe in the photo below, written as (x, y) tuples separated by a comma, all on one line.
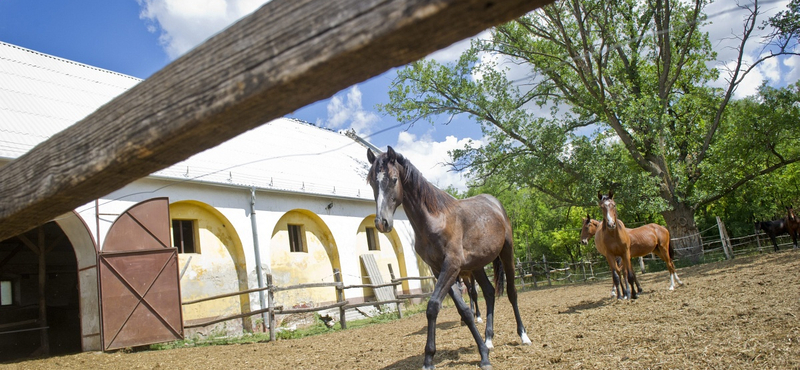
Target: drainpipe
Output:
[(259, 272)]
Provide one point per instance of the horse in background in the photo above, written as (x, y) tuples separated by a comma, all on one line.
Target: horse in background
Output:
[(469, 283), (792, 224), (775, 228), (613, 239), (451, 236), (646, 239)]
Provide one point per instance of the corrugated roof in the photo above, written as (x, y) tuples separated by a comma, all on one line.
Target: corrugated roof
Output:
[(41, 95)]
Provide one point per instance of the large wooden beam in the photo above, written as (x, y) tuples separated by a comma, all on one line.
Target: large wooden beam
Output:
[(286, 55)]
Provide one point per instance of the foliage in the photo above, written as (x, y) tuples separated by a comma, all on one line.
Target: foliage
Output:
[(606, 103)]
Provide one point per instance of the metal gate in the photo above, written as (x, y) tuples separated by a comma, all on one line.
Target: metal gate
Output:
[(140, 299)]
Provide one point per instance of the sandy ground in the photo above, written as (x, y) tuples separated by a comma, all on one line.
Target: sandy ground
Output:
[(740, 314)]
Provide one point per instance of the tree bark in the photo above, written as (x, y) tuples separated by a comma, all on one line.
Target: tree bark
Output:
[(685, 238)]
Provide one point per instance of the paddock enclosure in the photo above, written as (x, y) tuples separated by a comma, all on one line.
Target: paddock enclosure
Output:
[(740, 313)]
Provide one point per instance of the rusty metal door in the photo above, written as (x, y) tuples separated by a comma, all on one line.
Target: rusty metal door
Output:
[(140, 299)]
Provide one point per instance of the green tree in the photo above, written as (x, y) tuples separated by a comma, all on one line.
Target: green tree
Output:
[(636, 72)]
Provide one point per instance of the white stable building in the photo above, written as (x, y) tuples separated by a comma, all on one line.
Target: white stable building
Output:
[(111, 265)]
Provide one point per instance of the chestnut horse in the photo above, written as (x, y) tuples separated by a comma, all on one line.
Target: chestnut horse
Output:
[(612, 237), (650, 238), (451, 236), (792, 224)]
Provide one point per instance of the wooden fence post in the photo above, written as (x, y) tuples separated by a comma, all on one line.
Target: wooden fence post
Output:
[(337, 276), (722, 238), (583, 269), (758, 241), (533, 273), (271, 307), (546, 270), (394, 291)]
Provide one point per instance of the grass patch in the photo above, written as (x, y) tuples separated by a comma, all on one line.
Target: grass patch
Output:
[(318, 328)]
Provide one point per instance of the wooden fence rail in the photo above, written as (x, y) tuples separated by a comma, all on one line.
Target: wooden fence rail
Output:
[(341, 303), (537, 271), (284, 56)]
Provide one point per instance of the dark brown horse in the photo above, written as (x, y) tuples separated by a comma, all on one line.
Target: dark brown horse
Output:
[(775, 228), (650, 238), (451, 236), (613, 239)]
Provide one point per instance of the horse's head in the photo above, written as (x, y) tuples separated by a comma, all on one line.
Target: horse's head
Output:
[(588, 229), (609, 208), (790, 216), (385, 178)]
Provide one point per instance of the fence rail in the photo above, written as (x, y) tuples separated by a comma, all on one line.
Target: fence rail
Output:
[(341, 304), (529, 272)]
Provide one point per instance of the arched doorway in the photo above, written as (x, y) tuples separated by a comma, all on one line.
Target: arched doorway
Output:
[(41, 260), (387, 250), (212, 258), (303, 250)]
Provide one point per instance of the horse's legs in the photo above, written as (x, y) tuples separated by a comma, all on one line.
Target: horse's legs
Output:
[(473, 299), (507, 258), (488, 296), (615, 284), (466, 316), (663, 253), (774, 243), (445, 284), (628, 268), (615, 275)]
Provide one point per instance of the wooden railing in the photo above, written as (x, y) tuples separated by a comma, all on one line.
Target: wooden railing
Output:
[(341, 303), (284, 56)]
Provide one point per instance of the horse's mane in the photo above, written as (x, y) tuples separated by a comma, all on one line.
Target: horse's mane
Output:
[(414, 184), (434, 199)]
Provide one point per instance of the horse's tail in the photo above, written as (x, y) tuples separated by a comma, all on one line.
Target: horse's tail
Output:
[(499, 276)]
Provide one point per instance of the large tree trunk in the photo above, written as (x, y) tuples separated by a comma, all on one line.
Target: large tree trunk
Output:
[(684, 236)]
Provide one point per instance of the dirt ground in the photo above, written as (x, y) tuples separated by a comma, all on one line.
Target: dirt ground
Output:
[(739, 314)]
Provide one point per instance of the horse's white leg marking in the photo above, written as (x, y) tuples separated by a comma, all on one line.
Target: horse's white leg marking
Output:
[(671, 282), (489, 343), (677, 278), (525, 339), (479, 320)]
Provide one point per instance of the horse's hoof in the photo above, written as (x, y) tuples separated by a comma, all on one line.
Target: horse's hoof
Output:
[(486, 367), (672, 288), (428, 368), (525, 340)]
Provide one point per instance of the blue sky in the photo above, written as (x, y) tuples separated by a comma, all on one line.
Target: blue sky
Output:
[(139, 37)]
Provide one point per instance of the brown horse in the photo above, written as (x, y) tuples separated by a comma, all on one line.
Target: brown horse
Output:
[(612, 237), (650, 238), (469, 282), (451, 236), (775, 228), (792, 224)]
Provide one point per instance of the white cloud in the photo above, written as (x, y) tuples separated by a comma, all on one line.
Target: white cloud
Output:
[(186, 24), (451, 53), (727, 22), (348, 113), (430, 156)]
